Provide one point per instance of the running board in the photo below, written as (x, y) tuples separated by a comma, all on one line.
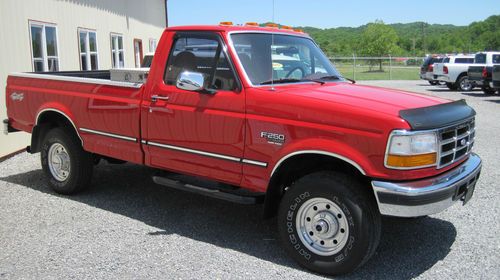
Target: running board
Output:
[(210, 189)]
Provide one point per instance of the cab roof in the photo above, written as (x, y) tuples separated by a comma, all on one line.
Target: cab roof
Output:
[(236, 28)]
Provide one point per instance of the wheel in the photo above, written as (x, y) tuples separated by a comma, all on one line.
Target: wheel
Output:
[(464, 84), (488, 91), (451, 86), (65, 163), (328, 223), (433, 83)]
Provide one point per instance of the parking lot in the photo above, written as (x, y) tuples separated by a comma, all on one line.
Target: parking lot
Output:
[(125, 226)]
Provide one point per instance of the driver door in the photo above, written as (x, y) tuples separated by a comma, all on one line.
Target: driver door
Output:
[(198, 132)]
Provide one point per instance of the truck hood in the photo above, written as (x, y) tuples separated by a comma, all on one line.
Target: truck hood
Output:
[(369, 98)]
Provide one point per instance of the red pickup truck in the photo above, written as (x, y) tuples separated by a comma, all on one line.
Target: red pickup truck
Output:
[(259, 115)]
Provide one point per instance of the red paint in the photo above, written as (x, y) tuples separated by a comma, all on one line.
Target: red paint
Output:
[(351, 121)]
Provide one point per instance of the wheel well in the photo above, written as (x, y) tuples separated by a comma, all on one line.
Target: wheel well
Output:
[(298, 166), (461, 75), (44, 123)]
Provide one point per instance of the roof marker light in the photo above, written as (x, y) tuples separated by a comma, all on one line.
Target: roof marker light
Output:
[(299, 30), (286, 27), (251, 24), (226, 23), (272, 25)]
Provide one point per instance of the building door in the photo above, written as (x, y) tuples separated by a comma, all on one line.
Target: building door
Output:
[(138, 52)]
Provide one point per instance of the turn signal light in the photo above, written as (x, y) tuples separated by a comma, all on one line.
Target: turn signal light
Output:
[(411, 161), (251, 24), (226, 23)]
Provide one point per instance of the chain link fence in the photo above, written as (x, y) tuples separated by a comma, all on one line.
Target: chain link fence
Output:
[(378, 68)]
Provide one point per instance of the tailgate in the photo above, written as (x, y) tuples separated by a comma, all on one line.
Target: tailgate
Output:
[(438, 68), (475, 73)]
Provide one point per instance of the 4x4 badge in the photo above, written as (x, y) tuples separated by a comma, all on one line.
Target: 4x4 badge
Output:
[(17, 96)]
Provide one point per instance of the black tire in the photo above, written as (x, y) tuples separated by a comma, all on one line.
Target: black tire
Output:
[(80, 165), (463, 84), (363, 228), (488, 91), (433, 83), (451, 86)]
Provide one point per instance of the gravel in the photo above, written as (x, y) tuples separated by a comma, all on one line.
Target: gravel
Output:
[(125, 226)]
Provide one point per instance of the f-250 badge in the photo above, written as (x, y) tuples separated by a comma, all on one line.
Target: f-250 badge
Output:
[(273, 138), (17, 96)]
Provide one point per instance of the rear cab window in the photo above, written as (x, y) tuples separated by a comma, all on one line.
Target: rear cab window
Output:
[(480, 58)]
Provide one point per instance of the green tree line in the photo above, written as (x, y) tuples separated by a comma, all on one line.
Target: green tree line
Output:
[(408, 39)]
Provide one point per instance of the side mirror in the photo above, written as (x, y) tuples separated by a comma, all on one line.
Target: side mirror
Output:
[(192, 81)]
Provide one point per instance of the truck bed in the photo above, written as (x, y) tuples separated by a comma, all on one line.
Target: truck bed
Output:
[(104, 113), (94, 77), (475, 73)]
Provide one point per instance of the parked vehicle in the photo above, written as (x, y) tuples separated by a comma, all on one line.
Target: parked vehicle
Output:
[(427, 69), (453, 71), (327, 156), (495, 77), (480, 72)]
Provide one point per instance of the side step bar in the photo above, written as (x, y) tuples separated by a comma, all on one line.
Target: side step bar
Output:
[(210, 189)]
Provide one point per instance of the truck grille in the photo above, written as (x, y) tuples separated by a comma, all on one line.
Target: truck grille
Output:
[(456, 142)]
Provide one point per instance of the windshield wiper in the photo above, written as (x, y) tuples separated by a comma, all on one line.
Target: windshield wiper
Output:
[(289, 80)]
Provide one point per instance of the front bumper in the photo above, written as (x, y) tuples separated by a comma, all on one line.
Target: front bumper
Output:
[(428, 196)]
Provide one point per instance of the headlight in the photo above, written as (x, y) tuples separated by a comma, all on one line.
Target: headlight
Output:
[(409, 150)]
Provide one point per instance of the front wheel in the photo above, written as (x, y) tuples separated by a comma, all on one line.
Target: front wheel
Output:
[(328, 223), (68, 167)]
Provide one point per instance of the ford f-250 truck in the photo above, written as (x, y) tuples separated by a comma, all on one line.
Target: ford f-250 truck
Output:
[(258, 114)]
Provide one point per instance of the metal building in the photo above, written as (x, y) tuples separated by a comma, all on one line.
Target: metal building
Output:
[(61, 35)]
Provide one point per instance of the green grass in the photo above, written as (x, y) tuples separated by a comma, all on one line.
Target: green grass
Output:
[(363, 73)]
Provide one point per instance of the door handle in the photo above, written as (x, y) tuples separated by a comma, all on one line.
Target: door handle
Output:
[(156, 97)]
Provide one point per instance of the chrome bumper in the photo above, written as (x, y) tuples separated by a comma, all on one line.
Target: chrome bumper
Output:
[(428, 196)]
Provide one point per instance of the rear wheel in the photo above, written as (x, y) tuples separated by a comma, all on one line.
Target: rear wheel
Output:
[(433, 83), (328, 224), (488, 91), (65, 163), (464, 84)]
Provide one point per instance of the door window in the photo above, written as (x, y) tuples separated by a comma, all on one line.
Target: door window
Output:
[(203, 55)]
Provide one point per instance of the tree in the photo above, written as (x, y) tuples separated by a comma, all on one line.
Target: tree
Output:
[(379, 39)]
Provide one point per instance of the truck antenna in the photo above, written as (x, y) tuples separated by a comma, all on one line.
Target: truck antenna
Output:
[(272, 66)]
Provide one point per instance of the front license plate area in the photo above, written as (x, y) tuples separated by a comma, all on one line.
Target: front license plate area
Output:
[(468, 193)]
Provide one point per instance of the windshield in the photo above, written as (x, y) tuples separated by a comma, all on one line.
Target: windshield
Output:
[(286, 58)]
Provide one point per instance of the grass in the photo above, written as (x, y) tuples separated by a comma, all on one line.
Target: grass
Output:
[(363, 73)]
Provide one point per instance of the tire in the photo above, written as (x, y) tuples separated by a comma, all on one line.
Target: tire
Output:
[(355, 236), (70, 168), (464, 84), (488, 91), (451, 86), (433, 83)]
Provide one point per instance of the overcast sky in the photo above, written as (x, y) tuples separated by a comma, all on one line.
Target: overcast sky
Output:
[(330, 13)]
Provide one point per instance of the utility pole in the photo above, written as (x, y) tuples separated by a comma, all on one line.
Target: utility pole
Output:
[(414, 40), (423, 39)]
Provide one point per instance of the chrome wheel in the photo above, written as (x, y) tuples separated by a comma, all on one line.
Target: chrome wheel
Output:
[(59, 162), (322, 226), (465, 85)]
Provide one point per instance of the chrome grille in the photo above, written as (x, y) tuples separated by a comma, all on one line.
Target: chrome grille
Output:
[(456, 142)]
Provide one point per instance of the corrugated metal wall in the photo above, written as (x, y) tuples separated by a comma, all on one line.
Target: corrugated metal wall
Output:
[(133, 19)]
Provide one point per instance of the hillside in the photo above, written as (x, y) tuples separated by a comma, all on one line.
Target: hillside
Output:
[(417, 38)]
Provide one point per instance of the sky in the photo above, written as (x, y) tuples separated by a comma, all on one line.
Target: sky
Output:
[(330, 13)]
